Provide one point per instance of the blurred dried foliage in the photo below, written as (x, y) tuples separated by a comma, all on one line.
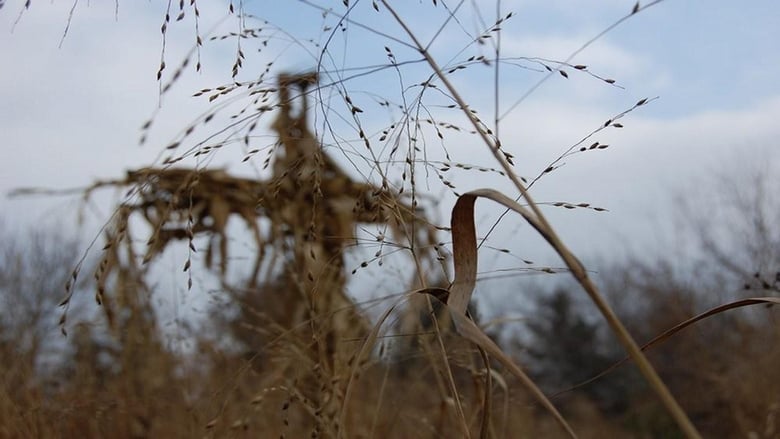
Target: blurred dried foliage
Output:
[(127, 382), (295, 356)]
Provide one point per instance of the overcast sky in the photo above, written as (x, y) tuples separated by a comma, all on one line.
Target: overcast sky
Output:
[(71, 112)]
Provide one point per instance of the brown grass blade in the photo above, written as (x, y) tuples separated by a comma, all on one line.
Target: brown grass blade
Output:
[(469, 330), (535, 218), (540, 223), (464, 250), (465, 259), (487, 404), (662, 337), (365, 349)]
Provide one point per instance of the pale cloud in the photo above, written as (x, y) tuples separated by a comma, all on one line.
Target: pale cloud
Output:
[(72, 115), (649, 166), (629, 67), (602, 54)]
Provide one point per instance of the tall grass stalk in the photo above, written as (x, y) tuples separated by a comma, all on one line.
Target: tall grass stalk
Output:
[(537, 219)]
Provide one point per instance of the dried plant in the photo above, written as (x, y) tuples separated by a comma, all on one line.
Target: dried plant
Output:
[(322, 357)]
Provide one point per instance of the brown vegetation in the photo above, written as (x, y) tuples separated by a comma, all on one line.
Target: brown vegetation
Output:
[(298, 357)]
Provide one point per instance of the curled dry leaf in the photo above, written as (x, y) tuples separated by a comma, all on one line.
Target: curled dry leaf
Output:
[(465, 258)]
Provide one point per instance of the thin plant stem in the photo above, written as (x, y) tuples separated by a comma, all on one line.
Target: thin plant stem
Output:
[(569, 259)]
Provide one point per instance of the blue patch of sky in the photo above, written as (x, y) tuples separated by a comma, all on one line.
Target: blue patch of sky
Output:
[(718, 55)]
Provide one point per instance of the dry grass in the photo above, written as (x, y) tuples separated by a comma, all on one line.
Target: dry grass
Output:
[(124, 383), (300, 357)]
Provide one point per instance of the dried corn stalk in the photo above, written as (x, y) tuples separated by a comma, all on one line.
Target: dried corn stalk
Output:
[(313, 208)]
